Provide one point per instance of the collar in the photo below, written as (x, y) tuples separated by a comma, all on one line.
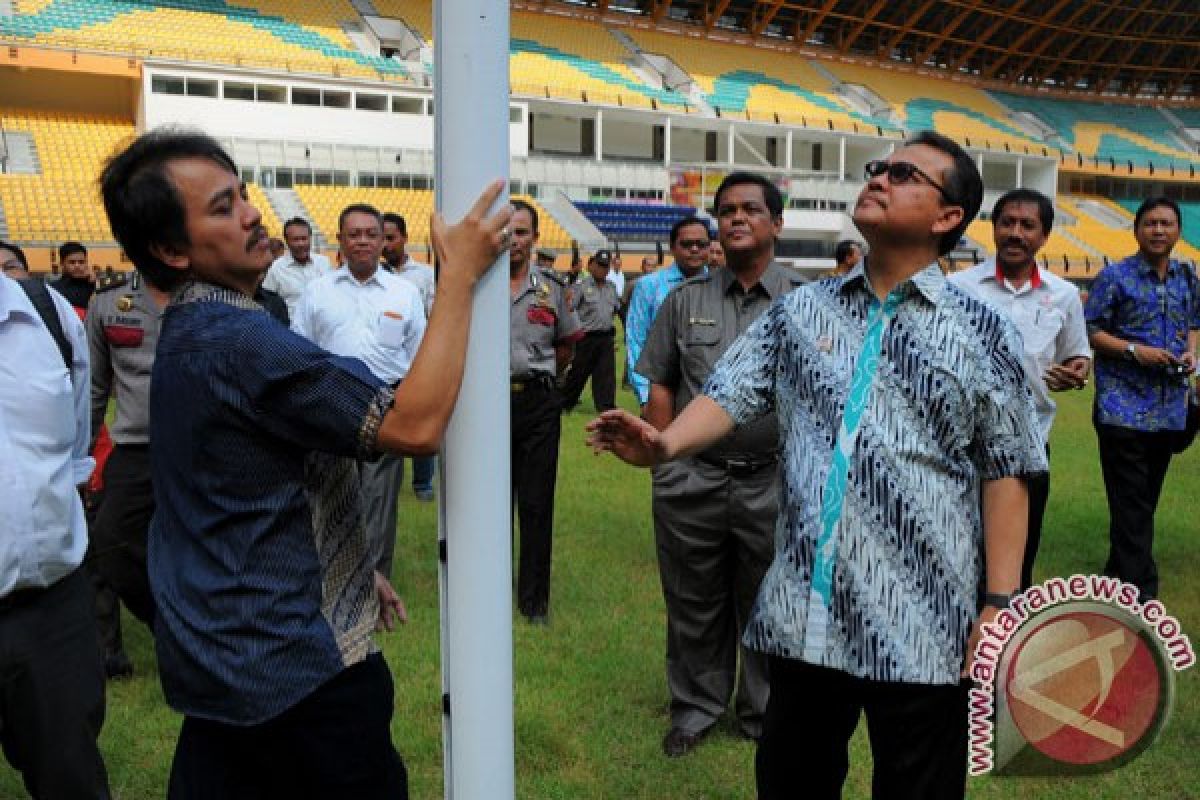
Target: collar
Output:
[(343, 274), (1145, 267), (774, 282), (929, 282), (201, 292), (1035, 277)]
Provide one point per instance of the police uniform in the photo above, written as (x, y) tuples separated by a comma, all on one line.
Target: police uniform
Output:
[(122, 324), (540, 319), (714, 513), (595, 355)]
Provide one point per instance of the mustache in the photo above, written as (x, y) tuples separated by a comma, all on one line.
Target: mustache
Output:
[(1015, 243), (260, 233)]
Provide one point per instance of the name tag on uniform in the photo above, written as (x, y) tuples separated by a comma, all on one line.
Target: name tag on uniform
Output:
[(393, 330), (701, 321)]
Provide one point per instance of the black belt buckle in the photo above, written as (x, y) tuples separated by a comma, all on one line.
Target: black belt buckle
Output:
[(741, 467)]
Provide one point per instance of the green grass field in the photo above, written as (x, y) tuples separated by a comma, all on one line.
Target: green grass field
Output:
[(590, 691)]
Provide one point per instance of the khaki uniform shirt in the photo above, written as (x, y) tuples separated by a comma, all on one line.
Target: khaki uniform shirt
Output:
[(596, 304), (122, 326), (540, 318), (695, 325)]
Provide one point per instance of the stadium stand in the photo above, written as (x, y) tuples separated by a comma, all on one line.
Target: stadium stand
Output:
[(259, 200), (1117, 131), (634, 221), (1189, 243), (954, 108), (759, 84), (308, 39), (417, 14), (324, 203), (557, 57), (62, 201)]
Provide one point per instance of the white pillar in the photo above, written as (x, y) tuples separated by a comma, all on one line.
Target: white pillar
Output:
[(599, 134), (841, 158), (667, 142), (729, 149), (1020, 173), (470, 150), (787, 159)]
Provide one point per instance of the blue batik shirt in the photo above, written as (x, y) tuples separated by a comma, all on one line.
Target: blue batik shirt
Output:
[(257, 556), (890, 415), (648, 295), (1128, 301)]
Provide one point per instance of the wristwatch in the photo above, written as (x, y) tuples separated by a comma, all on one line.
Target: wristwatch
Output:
[(997, 600), (1131, 351)]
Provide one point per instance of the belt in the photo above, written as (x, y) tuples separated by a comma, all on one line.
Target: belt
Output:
[(533, 382), (740, 466), (599, 334)]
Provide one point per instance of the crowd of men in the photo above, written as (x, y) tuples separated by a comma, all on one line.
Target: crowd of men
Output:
[(849, 475)]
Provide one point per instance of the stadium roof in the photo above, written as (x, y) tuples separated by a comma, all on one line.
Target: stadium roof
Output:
[(1147, 48)]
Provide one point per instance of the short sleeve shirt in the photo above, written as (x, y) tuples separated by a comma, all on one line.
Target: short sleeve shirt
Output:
[(695, 325), (257, 556), (122, 325), (596, 304), (540, 318), (1128, 301), (890, 416)]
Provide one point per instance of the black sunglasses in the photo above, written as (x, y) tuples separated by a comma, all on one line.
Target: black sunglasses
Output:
[(901, 172), (693, 244)]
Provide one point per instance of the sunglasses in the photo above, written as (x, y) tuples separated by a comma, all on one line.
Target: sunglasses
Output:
[(693, 244), (902, 172)]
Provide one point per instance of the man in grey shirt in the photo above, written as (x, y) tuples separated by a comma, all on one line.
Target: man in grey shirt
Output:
[(596, 302), (714, 513), (122, 326)]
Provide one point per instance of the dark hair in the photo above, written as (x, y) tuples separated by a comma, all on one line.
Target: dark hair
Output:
[(1032, 197), (683, 223), (143, 206), (397, 220), (771, 193), (16, 251), (1151, 203), (359, 208), (521, 205), (963, 184), (842, 251), (301, 221), (70, 249)]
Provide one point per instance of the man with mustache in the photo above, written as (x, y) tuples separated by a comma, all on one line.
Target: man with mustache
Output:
[(1049, 314), (906, 430), (363, 311), (1143, 316), (263, 579)]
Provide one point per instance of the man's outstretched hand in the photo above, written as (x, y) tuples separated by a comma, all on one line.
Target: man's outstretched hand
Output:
[(629, 438)]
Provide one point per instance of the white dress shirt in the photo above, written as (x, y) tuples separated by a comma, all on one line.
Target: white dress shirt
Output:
[(1048, 314), (379, 321), (44, 435), (617, 279), (421, 276), (288, 278)]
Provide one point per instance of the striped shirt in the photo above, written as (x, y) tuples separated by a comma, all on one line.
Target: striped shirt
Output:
[(890, 414)]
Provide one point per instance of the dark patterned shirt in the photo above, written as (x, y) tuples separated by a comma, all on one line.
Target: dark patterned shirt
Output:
[(1128, 301), (257, 558), (890, 414)]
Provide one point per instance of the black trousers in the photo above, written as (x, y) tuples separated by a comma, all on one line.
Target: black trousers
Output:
[(536, 427), (595, 358), (918, 735), (52, 690), (1039, 494), (1134, 464), (336, 743), (118, 538)]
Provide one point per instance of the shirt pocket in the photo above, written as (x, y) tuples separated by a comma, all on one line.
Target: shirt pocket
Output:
[(701, 347), (393, 330), (1039, 328)]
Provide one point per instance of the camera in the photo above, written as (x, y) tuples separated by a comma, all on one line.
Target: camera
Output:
[(1177, 373)]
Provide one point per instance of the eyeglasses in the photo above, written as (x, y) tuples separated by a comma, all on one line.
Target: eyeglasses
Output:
[(902, 172), (693, 244)]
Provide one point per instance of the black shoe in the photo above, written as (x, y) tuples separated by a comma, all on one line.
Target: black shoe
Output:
[(117, 666), (678, 742)]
